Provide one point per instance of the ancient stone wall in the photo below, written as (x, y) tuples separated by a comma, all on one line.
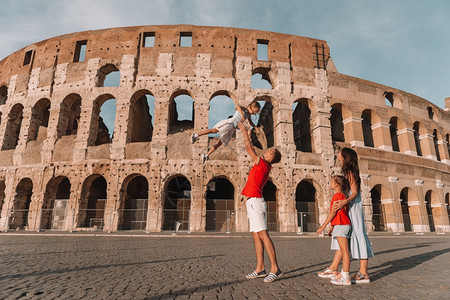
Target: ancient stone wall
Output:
[(59, 169)]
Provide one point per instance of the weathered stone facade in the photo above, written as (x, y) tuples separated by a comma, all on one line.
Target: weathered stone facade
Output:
[(54, 152)]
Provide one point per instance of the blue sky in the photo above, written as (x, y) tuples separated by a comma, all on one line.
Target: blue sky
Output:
[(401, 43)]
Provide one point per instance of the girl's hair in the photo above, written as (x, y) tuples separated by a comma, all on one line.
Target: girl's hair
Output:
[(350, 165), (255, 104), (342, 182)]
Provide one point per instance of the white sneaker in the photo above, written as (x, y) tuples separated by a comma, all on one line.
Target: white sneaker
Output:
[(204, 157), (194, 137)]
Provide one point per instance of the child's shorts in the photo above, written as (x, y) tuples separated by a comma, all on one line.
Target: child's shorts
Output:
[(342, 231)]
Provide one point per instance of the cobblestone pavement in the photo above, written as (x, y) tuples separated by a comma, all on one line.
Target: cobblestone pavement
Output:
[(164, 267)]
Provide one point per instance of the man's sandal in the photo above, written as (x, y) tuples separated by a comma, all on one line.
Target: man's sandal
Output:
[(254, 274)]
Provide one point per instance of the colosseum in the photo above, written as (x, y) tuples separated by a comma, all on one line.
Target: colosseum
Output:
[(61, 168)]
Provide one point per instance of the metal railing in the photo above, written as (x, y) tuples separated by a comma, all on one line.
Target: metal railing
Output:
[(61, 218)]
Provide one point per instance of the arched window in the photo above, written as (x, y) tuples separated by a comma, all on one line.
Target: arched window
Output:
[(54, 208), (260, 79), (2, 194), (337, 126), (429, 195), (91, 212), (39, 120), (105, 105), (108, 76), (221, 107), (177, 204), (270, 196), (134, 204), (366, 124), (141, 119), (389, 99), (181, 112), (416, 129), (264, 120), (436, 145), (430, 112), (306, 205), (404, 198), (22, 201), (12, 133), (220, 205), (302, 125), (393, 130), (3, 94)]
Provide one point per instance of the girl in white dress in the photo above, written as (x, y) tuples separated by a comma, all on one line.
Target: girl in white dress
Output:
[(226, 128)]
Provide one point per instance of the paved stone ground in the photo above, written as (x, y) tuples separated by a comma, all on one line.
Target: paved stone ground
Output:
[(164, 267)]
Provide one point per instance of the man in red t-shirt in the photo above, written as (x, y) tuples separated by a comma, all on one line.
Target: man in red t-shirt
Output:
[(256, 208)]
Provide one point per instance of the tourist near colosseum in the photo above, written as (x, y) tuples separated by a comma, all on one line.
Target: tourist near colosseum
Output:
[(62, 168)]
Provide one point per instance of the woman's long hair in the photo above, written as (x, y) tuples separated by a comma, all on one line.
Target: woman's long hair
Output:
[(350, 165)]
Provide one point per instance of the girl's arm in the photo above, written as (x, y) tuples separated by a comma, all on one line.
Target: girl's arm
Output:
[(337, 205), (328, 220)]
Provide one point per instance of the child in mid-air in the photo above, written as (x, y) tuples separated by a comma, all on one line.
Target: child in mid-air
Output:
[(226, 128), (340, 232)]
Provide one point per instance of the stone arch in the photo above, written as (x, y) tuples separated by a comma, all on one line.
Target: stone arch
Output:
[(381, 216), (104, 72), (220, 204), (337, 124), (39, 120), (181, 111), (140, 120), (416, 129), (412, 219), (270, 195), (133, 203), (392, 100), (261, 78), (433, 213), (176, 202), (306, 205), (221, 107), (13, 126), (447, 203), (266, 119), (21, 204), (101, 134), (366, 124), (393, 128), (56, 199), (3, 94), (91, 210), (436, 144), (301, 119), (431, 114), (447, 139), (2, 195), (69, 115)]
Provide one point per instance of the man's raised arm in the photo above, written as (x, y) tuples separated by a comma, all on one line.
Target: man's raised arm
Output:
[(248, 144)]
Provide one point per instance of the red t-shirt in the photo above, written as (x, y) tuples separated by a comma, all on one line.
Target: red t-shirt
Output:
[(257, 178), (341, 217)]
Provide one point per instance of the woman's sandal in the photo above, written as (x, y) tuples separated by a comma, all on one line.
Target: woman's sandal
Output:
[(360, 278)]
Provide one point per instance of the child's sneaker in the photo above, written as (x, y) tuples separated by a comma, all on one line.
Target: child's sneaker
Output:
[(327, 273), (360, 278), (341, 280), (194, 137), (204, 157)]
